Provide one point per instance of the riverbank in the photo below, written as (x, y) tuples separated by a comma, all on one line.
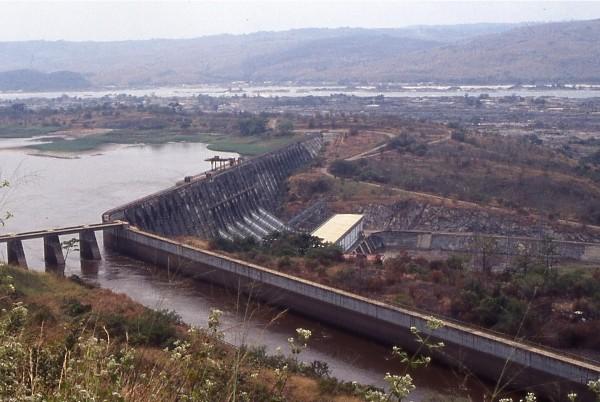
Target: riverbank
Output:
[(53, 140), (63, 339)]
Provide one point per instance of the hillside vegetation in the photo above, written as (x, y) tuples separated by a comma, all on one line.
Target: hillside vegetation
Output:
[(484, 53), (31, 80), (61, 341), (535, 300), (514, 173)]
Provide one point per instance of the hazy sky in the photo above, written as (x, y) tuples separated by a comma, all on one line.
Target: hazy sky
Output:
[(95, 20)]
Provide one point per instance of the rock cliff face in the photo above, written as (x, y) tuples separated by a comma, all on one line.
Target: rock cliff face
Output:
[(413, 215), (235, 202)]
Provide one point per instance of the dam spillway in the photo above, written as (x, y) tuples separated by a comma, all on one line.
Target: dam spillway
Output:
[(235, 202)]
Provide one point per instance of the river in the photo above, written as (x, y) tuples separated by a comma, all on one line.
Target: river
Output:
[(186, 91), (51, 191)]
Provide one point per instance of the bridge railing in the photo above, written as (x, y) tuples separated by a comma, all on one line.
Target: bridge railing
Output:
[(60, 231)]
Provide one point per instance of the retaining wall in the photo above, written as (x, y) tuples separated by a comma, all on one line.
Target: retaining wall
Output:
[(214, 202), (480, 352), (502, 245)]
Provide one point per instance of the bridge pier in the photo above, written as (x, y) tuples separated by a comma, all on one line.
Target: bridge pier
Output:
[(53, 255), (16, 254), (88, 246)]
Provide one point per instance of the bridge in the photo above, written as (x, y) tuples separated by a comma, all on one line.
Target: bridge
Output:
[(53, 250)]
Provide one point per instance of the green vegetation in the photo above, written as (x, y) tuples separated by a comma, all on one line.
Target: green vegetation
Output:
[(247, 145), (60, 341), (407, 144), (531, 300), (253, 125), (285, 249), (342, 168), (250, 145), (91, 142), (26, 131), (4, 215), (247, 134)]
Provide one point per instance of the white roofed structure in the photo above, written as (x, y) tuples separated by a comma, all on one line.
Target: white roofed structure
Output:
[(341, 229)]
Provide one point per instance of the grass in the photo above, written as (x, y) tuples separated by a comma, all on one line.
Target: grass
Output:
[(26, 132), (250, 146), (63, 340), (93, 142)]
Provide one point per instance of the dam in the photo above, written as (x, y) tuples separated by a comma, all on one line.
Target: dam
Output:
[(235, 202), (241, 201)]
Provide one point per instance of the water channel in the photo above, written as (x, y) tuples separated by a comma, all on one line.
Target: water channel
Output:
[(50, 191)]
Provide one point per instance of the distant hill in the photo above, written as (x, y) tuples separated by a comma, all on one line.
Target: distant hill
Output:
[(478, 53), (555, 52), (31, 80)]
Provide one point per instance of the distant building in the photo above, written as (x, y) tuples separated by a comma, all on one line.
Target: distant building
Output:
[(341, 229)]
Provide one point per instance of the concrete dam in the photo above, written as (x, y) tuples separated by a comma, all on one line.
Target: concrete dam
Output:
[(235, 202)]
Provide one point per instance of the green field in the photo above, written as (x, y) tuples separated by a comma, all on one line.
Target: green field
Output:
[(249, 146), (26, 132)]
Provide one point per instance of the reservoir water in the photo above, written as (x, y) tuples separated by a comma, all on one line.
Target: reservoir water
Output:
[(52, 191)]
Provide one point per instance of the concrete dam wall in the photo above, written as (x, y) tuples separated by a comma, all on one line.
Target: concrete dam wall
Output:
[(235, 202), (495, 245)]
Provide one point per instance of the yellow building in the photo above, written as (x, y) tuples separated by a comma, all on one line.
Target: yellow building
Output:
[(341, 229)]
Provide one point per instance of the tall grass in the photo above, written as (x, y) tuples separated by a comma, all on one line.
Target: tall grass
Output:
[(63, 342)]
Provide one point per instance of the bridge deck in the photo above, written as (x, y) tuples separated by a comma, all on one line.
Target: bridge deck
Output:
[(60, 231)]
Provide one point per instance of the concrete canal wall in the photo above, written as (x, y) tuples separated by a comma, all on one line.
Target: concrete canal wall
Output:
[(483, 353), (499, 245)]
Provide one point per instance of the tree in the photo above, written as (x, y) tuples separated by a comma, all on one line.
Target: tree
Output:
[(18, 108), (458, 135), (342, 168), (485, 247), (548, 251), (285, 127), (253, 125)]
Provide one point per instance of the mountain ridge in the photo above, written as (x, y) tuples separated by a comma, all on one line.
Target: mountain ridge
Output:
[(463, 54)]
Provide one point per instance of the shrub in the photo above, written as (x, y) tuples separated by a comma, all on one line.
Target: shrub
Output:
[(151, 328), (284, 262), (343, 168), (252, 125), (455, 263), (436, 276), (458, 135), (326, 255), (74, 307), (319, 186), (42, 314)]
